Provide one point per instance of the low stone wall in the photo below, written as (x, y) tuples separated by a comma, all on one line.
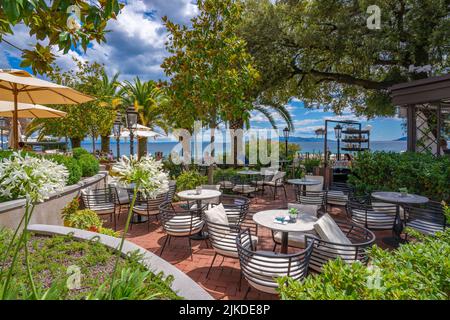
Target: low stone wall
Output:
[(183, 285), (49, 212)]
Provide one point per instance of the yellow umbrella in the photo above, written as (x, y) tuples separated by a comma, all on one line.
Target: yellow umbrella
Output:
[(26, 110), (20, 86)]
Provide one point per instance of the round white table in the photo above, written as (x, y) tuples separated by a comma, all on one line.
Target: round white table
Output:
[(304, 223), (191, 195), (304, 183), (399, 199)]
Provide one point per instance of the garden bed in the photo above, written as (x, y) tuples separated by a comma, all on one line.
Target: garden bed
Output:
[(52, 256)]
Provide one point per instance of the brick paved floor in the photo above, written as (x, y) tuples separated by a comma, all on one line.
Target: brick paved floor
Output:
[(223, 280)]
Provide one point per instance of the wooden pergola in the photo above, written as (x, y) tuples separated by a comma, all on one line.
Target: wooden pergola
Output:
[(426, 105)]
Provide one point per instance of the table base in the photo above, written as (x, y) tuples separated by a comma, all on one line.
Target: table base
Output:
[(138, 219), (202, 235)]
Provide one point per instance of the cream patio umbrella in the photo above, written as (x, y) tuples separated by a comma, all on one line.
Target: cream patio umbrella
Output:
[(21, 87), (26, 110)]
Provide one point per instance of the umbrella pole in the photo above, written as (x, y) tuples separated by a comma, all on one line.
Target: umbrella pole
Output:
[(15, 145)]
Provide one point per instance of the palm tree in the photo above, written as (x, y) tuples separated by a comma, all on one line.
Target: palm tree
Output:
[(108, 97), (149, 100), (268, 112)]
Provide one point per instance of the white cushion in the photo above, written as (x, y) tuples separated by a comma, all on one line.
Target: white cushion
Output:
[(389, 208), (278, 175), (245, 189), (329, 231), (303, 208), (217, 215), (317, 187)]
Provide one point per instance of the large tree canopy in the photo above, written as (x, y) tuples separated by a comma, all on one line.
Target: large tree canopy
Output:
[(62, 23), (323, 52)]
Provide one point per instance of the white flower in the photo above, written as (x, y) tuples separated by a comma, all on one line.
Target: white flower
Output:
[(147, 173), (32, 178)]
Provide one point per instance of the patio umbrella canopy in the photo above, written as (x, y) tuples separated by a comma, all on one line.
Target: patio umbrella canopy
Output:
[(26, 110), (21, 87)]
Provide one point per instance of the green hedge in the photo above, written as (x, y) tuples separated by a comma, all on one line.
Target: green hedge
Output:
[(421, 174), (415, 271), (78, 152), (190, 180), (89, 165), (86, 166), (72, 165)]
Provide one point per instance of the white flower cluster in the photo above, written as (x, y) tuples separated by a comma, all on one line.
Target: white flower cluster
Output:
[(32, 178), (146, 173)]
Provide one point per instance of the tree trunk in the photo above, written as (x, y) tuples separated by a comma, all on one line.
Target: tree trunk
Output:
[(93, 145), (75, 142), (142, 147), (106, 144), (211, 167), (236, 125)]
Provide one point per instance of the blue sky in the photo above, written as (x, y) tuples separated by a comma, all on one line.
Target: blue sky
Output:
[(135, 47)]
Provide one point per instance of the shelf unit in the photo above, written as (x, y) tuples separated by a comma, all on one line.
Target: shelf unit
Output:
[(355, 139)]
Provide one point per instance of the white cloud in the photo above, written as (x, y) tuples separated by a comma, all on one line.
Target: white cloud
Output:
[(135, 43)]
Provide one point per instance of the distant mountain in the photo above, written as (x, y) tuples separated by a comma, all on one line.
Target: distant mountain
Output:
[(402, 139)]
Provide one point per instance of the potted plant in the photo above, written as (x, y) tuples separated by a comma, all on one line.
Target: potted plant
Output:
[(293, 214), (403, 192)]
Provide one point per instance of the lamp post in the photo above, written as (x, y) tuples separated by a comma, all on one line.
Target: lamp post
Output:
[(338, 133), (117, 130), (132, 119), (2, 125)]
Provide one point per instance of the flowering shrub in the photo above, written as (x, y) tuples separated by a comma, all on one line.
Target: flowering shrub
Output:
[(146, 173), (32, 178)]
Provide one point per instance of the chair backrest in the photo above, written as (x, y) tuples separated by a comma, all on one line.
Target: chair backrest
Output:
[(428, 218), (313, 198), (318, 187), (344, 187), (379, 217), (172, 190), (147, 203), (323, 251), (261, 269), (119, 194), (236, 207), (180, 222), (97, 199)]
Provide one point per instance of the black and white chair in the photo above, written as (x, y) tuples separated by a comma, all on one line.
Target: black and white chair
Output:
[(121, 198), (339, 239), (236, 207), (296, 239), (102, 202), (427, 219), (222, 233), (261, 269), (277, 183), (373, 216), (243, 186), (339, 193), (312, 198), (180, 223), (146, 207)]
